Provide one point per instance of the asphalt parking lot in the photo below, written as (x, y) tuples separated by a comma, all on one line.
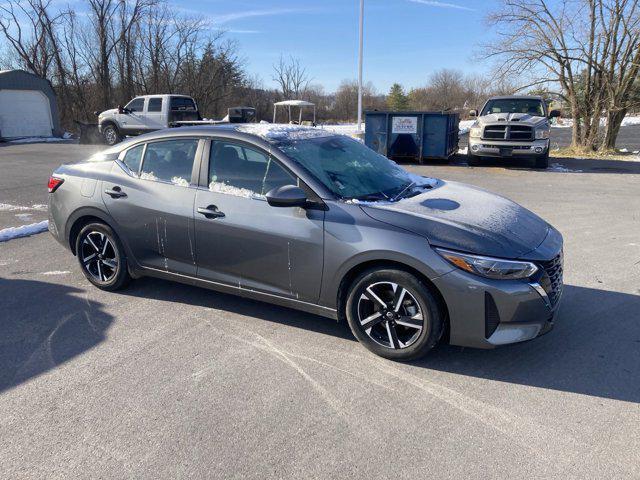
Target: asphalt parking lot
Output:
[(170, 381)]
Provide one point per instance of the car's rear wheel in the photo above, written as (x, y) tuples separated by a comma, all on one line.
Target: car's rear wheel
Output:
[(101, 257), (394, 314), (111, 134)]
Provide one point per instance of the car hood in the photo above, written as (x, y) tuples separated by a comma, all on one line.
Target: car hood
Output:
[(465, 218), (518, 118), (111, 111)]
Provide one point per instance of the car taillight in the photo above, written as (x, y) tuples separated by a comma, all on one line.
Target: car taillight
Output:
[(54, 183)]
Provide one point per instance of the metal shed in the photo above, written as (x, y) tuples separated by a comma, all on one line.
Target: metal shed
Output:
[(28, 106), (412, 135)]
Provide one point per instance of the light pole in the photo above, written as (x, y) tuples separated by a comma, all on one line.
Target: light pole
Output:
[(360, 67)]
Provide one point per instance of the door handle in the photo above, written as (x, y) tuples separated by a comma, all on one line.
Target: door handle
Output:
[(115, 192), (210, 211)]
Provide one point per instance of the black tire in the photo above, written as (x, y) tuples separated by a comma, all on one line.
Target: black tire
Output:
[(104, 266), (542, 161), (111, 134), (473, 160), (418, 308)]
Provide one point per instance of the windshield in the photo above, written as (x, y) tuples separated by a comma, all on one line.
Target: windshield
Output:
[(514, 105), (349, 169)]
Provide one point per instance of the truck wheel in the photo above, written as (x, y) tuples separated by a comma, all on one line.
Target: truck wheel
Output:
[(542, 161), (472, 160), (111, 134)]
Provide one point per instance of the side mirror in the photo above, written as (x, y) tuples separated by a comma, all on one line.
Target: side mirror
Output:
[(287, 196), (473, 113), (120, 109), (554, 113)]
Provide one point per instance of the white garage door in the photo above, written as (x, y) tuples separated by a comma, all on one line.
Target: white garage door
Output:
[(24, 113)]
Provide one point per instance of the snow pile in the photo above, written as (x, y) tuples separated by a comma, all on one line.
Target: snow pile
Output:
[(464, 126), (179, 181), (40, 140), (23, 231), (630, 121), (148, 176), (219, 187), (276, 132)]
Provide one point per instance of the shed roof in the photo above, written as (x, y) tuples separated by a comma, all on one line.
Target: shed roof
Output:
[(295, 103)]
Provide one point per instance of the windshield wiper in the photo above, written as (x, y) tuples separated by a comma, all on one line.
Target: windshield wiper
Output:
[(372, 197), (407, 187)]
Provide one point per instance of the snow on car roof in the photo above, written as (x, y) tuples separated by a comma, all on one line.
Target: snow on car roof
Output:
[(279, 132)]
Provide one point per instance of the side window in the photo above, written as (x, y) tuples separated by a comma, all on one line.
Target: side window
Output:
[(170, 161), (244, 171), (155, 105), (135, 105), (133, 157), (182, 104)]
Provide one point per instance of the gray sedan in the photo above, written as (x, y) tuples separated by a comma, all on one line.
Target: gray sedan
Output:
[(315, 221)]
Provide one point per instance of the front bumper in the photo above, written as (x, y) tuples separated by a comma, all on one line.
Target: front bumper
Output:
[(507, 149), (485, 313)]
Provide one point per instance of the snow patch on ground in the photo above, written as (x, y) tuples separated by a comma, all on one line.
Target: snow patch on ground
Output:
[(23, 231), (64, 138), (56, 272), (5, 207), (24, 216), (556, 167), (463, 151), (628, 121)]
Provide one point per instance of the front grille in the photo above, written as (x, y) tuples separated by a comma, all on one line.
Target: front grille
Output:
[(551, 280), (508, 132)]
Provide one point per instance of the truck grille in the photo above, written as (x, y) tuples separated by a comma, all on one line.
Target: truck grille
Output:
[(508, 132), (551, 280)]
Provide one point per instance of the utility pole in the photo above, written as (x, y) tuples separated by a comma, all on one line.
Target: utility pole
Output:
[(360, 67)]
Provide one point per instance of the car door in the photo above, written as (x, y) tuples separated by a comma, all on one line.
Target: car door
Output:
[(153, 114), (150, 195), (243, 241), (133, 118)]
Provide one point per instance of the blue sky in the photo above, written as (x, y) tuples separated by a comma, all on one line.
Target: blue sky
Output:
[(405, 40)]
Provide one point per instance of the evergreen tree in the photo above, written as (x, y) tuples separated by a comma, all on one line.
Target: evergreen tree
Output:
[(397, 99)]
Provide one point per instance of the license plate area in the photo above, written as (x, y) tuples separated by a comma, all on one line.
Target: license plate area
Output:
[(506, 152)]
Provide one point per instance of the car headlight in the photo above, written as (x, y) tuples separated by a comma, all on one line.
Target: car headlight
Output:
[(495, 268), (542, 134), (475, 132)]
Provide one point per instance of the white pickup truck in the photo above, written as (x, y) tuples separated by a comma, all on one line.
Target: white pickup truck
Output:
[(148, 113)]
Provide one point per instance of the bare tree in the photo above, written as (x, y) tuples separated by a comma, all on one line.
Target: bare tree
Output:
[(292, 77), (590, 49)]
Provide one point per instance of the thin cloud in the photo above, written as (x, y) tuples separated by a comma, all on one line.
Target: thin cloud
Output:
[(228, 17), (435, 3)]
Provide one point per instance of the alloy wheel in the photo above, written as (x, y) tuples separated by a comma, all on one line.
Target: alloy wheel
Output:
[(99, 256), (110, 136), (390, 315)]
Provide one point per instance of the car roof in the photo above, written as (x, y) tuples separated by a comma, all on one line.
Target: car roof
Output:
[(265, 133), (515, 97)]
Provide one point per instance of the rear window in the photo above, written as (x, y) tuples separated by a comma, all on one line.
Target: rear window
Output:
[(169, 161), (182, 104), (155, 105)]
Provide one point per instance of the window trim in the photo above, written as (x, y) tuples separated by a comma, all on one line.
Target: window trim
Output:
[(203, 177)]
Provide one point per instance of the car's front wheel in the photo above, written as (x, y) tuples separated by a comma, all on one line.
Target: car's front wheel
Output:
[(102, 257), (111, 134), (394, 314), (542, 161)]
